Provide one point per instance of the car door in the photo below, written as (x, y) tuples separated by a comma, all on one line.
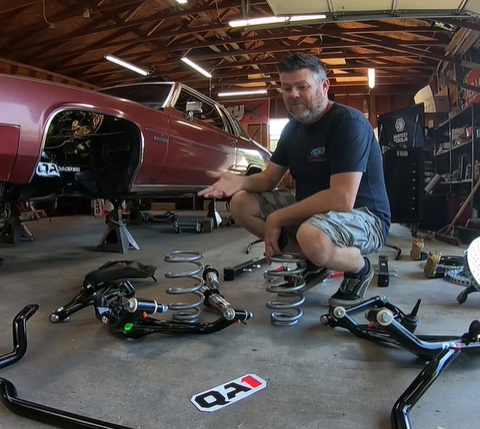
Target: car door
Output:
[(198, 141)]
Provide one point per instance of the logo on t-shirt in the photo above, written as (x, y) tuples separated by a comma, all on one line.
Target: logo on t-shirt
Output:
[(316, 154)]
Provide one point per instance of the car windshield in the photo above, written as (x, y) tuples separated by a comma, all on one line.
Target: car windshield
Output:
[(153, 95)]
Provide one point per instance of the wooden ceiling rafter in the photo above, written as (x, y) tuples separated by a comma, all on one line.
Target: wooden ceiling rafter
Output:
[(139, 22), (131, 79), (156, 34), (273, 34), (135, 56)]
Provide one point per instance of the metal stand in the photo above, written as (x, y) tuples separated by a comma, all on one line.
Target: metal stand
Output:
[(387, 323), (14, 230), (117, 238), (31, 410)]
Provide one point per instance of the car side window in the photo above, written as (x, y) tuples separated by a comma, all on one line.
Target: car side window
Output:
[(209, 114)]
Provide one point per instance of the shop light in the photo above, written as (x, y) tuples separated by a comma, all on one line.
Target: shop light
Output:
[(196, 67), (252, 92), (126, 65), (371, 78), (274, 20)]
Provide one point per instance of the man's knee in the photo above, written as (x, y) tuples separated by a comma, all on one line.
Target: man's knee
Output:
[(314, 243), (242, 205)]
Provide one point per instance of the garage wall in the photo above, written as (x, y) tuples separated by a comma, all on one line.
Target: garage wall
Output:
[(11, 67), (371, 105)]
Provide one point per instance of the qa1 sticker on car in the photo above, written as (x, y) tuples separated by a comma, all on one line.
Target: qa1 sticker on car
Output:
[(226, 394), (47, 169)]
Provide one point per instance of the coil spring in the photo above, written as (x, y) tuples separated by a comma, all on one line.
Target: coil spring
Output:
[(294, 288), (185, 312)]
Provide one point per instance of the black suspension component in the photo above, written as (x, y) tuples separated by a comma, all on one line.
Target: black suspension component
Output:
[(388, 323), (19, 336), (105, 280), (31, 410), (129, 316)]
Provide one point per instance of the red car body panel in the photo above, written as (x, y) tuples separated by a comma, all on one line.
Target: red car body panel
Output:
[(114, 146), (9, 138)]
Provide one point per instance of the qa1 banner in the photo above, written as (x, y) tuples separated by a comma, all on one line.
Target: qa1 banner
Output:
[(250, 111)]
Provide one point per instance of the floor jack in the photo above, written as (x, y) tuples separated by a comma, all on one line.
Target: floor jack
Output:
[(130, 317), (31, 410), (388, 323)]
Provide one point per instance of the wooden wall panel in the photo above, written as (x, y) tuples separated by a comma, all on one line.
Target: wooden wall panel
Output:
[(370, 104), (11, 67), (259, 133)]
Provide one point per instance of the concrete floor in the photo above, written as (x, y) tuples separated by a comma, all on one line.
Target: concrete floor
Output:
[(317, 377)]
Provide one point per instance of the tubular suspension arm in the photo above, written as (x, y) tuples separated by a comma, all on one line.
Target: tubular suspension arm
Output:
[(19, 335), (31, 410), (399, 416)]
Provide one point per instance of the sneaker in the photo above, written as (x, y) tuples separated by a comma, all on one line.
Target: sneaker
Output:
[(313, 275), (351, 290)]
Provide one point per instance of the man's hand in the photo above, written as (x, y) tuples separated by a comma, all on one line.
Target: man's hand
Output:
[(226, 185), (272, 233)]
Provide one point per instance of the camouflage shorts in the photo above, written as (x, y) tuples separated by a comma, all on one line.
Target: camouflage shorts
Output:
[(358, 227)]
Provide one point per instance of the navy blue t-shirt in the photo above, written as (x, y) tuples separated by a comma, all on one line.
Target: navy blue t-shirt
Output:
[(341, 141)]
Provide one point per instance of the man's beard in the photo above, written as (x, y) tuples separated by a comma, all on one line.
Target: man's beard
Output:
[(308, 115)]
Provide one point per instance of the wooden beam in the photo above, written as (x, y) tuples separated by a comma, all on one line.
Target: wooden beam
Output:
[(260, 35), (227, 82), (18, 4), (262, 50), (461, 23), (410, 49), (235, 70), (346, 56), (463, 85), (156, 17)]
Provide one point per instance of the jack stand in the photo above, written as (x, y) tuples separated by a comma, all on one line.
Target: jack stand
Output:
[(135, 215), (229, 273), (117, 238), (14, 229), (213, 213)]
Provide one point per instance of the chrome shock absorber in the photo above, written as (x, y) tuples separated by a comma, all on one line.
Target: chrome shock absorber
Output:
[(186, 312), (292, 288)]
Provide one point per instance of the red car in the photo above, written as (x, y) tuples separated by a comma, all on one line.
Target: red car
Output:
[(123, 142)]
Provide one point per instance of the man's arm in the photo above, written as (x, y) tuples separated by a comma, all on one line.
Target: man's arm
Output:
[(348, 161)]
